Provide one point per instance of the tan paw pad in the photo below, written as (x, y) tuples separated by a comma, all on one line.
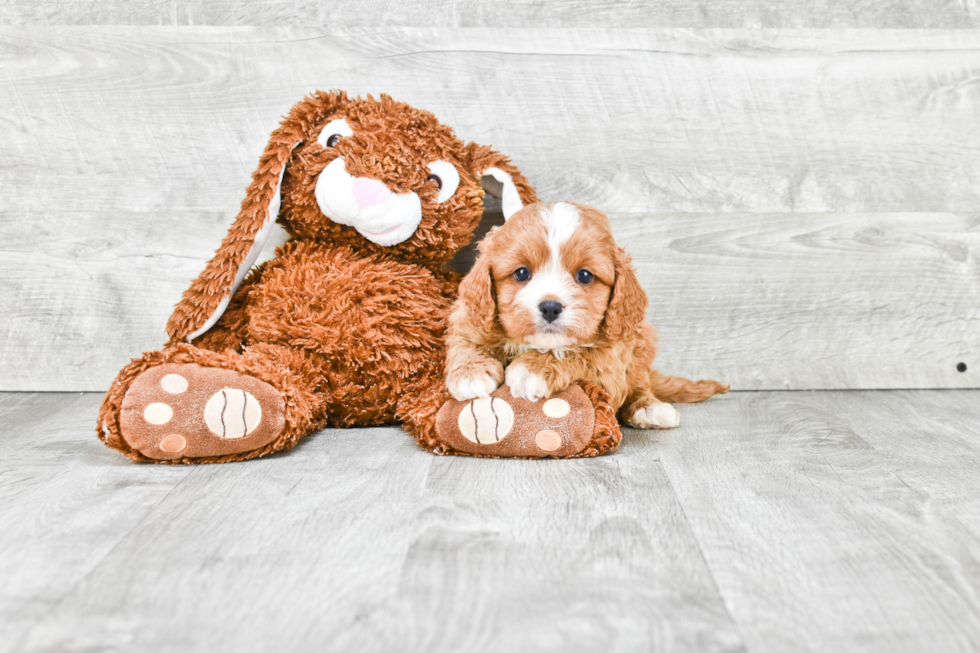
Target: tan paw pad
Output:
[(547, 440), (556, 408), (158, 413), (185, 411), (175, 384), (173, 443), (557, 427)]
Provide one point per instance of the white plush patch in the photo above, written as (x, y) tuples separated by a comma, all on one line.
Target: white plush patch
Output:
[(556, 408), (337, 127), (232, 413), (386, 219), (258, 243), (158, 413), (175, 384), (449, 176), (553, 282), (657, 416), (510, 199), (486, 420), (471, 388), (525, 384)]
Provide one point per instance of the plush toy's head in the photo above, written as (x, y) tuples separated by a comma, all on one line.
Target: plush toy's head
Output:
[(376, 175), (380, 175)]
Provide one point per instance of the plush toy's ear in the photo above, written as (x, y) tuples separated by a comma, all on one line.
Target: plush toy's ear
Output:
[(500, 178), (628, 305), (208, 296), (476, 294)]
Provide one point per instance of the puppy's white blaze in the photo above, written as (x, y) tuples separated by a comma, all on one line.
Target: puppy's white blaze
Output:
[(562, 220), (553, 281)]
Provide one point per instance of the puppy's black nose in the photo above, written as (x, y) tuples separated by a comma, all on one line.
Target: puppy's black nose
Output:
[(550, 310)]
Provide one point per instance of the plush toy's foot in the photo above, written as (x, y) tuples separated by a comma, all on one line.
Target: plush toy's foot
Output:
[(574, 423), (175, 411)]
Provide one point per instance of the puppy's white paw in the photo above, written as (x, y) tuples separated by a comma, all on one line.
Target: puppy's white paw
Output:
[(466, 388), (657, 416), (525, 384)]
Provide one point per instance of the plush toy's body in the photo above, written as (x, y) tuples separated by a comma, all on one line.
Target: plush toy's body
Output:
[(344, 326)]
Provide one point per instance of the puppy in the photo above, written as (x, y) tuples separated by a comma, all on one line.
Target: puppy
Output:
[(552, 300)]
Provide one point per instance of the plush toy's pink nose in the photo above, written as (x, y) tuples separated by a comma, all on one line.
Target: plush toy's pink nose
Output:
[(369, 192)]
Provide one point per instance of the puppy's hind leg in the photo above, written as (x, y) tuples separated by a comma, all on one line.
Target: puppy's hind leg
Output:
[(643, 410)]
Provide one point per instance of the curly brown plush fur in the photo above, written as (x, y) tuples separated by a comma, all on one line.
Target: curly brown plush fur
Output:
[(338, 328)]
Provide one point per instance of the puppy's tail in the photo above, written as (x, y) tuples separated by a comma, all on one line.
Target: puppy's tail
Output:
[(674, 389)]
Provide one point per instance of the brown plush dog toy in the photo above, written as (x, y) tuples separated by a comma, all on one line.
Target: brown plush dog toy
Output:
[(344, 326)]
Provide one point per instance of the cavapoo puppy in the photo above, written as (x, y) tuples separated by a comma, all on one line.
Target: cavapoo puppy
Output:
[(552, 300)]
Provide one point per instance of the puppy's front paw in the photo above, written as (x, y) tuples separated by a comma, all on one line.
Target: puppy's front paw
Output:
[(657, 416), (465, 387), (525, 384)]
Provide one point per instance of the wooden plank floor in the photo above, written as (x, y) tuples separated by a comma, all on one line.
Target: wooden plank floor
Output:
[(769, 521)]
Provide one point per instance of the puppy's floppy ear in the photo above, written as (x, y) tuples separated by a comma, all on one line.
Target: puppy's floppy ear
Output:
[(628, 304), (208, 296), (476, 294), (500, 178)]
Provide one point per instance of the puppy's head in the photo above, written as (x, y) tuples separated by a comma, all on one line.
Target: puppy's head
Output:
[(552, 277)]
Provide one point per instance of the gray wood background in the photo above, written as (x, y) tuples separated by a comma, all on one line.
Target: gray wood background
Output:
[(769, 522), (803, 201)]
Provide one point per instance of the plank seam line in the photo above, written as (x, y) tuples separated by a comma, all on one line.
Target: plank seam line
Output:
[(697, 543)]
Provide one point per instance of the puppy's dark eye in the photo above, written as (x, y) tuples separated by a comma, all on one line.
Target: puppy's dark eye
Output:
[(436, 179), (584, 276), (522, 274), (333, 140)]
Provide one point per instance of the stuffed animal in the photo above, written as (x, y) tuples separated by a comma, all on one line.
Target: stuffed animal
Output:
[(344, 326)]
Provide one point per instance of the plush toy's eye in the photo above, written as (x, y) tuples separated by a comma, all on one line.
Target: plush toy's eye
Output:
[(522, 274), (446, 177), (333, 131), (584, 277)]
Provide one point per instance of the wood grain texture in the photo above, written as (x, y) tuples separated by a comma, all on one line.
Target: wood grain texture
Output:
[(64, 504), (823, 529), (358, 540), (125, 151), (768, 521), (760, 301), (500, 13)]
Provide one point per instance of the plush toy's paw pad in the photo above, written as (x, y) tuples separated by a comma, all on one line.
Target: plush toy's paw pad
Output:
[(657, 416), (507, 427), (188, 411)]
